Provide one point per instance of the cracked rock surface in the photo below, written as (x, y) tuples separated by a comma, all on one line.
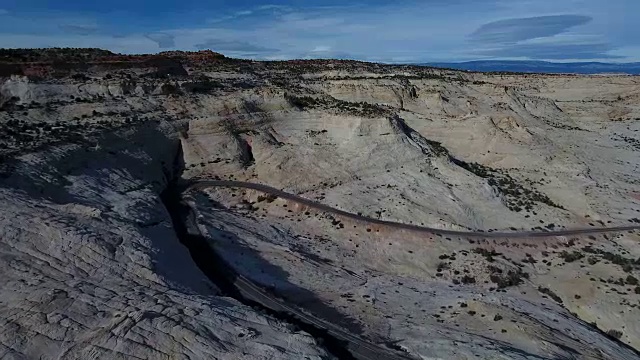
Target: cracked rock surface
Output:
[(91, 267)]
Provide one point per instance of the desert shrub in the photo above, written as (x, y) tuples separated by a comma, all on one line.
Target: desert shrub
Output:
[(508, 279), (551, 294), (468, 279), (268, 198), (169, 89), (80, 77), (488, 254), (302, 102), (517, 197), (442, 266), (614, 334), (631, 280), (203, 86), (626, 264), (165, 68), (571, 256), (362, 109)]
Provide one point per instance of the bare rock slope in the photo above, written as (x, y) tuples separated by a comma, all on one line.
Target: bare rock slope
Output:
[(92, 266)]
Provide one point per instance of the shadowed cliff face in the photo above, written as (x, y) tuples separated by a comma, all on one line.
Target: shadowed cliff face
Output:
[(226, 278), (89, 257), (87, 147)]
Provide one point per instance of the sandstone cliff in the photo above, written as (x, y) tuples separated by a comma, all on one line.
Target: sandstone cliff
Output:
[(91, 265)]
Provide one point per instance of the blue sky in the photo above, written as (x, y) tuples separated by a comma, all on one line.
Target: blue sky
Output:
[(374, 30)]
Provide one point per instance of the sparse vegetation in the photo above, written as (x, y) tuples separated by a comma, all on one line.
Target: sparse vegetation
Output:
[(52, 54), (592, 260), (551, 294), (18, 136), (214, 127), (303, 102), (468, 279), (626, 264), (488, 254), (202, 86), (362, 109), (442, 266), (437, 148), (614, 334), (571, 256), (507, 279), (517, 197), (268, 198), (635, 143)]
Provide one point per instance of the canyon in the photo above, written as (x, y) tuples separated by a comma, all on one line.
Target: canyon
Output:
[(104, 254)]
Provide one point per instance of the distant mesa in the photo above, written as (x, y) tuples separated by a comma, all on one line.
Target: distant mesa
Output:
[(541, 67), (191, 54)]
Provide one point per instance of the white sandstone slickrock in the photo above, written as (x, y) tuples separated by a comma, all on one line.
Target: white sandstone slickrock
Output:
[(90, 265)]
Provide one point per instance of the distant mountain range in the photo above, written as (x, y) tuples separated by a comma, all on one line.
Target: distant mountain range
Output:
[(542, 67)]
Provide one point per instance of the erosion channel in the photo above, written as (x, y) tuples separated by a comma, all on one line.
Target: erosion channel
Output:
[(339, 342)]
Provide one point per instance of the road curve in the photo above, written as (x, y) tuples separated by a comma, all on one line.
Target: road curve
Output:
[(185, 215), (247, 289), (201, 184)]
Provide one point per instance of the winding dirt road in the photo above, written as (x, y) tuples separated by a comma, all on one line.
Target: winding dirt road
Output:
[(358, 347), (249, 292), (202, 184)]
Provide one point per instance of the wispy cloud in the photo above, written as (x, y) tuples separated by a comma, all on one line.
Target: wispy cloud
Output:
[(257, 11), (79, 29), (513, 30), (553, 51), (381, 30), (235, 46), (321, 48), (274, 7), (3, 12), (164, 40), (540, 37), (220, 19)]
